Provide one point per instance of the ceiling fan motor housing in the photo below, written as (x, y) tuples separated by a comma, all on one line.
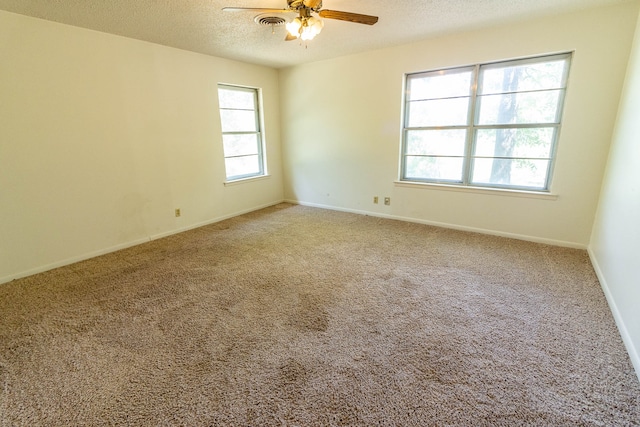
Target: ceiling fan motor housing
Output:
[(300, 4)]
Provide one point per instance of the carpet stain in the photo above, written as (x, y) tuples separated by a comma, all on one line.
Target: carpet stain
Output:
[(311, 316), (293, 372), (292, 380)]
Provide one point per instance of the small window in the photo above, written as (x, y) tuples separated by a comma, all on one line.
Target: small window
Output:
[(488, 125), (241, 132)]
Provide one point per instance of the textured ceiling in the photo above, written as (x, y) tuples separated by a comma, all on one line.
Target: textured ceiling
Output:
[(201, 25)]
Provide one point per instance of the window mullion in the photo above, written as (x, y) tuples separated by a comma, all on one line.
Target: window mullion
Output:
[(241, 133), (436, 127), (519, 126), (471, 119)]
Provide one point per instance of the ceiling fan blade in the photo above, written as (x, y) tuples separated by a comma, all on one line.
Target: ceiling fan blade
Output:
[(289, 37), (255, 9), (312, 4), (348, 16)]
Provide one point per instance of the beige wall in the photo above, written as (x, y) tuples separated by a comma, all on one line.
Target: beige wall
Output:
[(342, 120), (615, 244), (102, 137)]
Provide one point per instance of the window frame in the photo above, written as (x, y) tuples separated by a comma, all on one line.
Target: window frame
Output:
[(472, 125), (259, 132)]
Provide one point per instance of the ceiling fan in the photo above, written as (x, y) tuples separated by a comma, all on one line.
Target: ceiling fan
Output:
[(305, 26)]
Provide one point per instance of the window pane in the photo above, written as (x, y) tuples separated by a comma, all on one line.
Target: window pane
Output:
[(520, 108), (245, 165), (511, 172), (443, 112), (531, 142), (440, 84), (524, 76), (434, 168), (449, 142), (236, 98), (240, 144), (238, 121)]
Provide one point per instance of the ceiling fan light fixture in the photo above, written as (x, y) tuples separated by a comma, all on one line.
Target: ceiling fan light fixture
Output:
[(294, 26), (312, 28), (305, 28)]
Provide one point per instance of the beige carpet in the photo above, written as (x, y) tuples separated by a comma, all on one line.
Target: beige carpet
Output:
[(295, 316)]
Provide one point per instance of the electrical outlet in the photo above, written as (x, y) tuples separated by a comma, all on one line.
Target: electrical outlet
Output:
[(387, 201), (177, 212), (375, 199)]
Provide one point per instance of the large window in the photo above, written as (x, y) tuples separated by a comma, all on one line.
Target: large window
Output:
[(488, 125), (241, 132)]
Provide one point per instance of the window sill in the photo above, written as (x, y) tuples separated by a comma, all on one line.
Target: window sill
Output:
[(244, 180), (478, 190)]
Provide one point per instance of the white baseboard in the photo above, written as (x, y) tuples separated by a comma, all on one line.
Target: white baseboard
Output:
[(72, 260), (93, 254), (622, 328), (534, 239), (212, 221), (129, 244), (626, 338)]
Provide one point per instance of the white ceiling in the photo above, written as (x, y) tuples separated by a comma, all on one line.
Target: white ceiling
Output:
[(201, 25)]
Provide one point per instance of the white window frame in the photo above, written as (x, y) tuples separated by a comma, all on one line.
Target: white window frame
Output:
[(472, 126), (258, 132)]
